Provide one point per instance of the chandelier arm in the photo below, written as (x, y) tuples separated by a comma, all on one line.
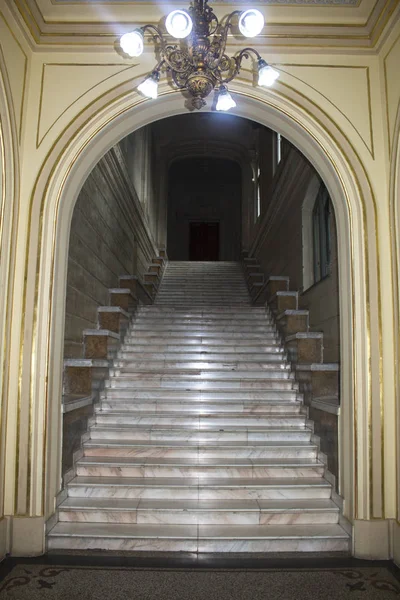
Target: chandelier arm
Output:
[(227, 64), (226, 27), (159, 66), (176, 77), (238, 62), (174, 64), (220, 44), (157, 33), (245, 54)]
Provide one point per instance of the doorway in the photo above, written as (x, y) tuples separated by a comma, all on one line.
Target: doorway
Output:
[(204, 241)]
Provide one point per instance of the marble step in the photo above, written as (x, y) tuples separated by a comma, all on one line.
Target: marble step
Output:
[(186, 272), (202, 333), (133, 393), (182, 375), (203, 320), (207, 467), (228, 434), (198, 512), (190, 303), (198, 323), (201, 407), (199, 358), (201, 290), (231, 350), (206, 296), (202, 346), (205, 488), (125, 366), (198, 538), (141, 380), (197, 328), (230, 287), (192, 278), (201, 421), (220, 281), (169, 449), (206, 341), (156, 312), (206, 287)]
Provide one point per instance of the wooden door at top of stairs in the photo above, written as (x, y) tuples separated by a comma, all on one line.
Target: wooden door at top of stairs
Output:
[(204, 241)]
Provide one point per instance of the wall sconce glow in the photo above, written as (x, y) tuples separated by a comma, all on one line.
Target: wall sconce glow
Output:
[(132, 43), (267, 75), (251, 22), (149, 87), (225, 100), (179, 24)]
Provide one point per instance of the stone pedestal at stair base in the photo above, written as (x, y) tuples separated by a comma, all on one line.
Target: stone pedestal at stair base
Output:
[(124, 298), (395, 542), (305, 347), (113, 318), (291, 322), (82, 376), (373, 540), (100, 343), (142, 292), (200, 441)]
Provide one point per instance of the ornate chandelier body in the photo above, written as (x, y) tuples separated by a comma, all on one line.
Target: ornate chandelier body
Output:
[(200, 64)]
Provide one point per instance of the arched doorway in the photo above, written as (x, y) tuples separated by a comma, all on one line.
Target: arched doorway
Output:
[(55, 193), (394, 191), (9, 206), (204, 209)]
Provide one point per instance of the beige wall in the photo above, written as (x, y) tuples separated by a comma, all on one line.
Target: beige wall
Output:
[(67, 104)]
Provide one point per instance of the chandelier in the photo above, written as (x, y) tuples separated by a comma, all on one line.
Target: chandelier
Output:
[(198, 63)]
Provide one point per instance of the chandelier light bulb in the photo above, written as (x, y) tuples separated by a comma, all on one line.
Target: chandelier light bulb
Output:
[(132, 43), (225, 100), (267, 75), (179, 24), (251, 22), (149, 87)]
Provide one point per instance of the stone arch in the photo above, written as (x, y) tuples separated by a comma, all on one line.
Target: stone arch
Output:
[(394, 200), (9, 198), (75, 153)]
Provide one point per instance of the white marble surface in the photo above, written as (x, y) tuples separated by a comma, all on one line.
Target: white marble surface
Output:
[(200, 441)]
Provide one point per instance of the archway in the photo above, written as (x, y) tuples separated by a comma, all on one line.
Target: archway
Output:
[(9, 205), (58, 184), (204, 209), (394, 191)]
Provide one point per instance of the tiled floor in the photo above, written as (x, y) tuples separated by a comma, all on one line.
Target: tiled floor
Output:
[(194, 577)]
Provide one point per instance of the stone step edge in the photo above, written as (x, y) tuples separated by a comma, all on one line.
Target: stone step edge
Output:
[(74, 503), (201, 482), (175, 531), (198, 445)]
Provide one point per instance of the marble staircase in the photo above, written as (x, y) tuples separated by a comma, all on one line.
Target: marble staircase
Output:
[(201, 441)]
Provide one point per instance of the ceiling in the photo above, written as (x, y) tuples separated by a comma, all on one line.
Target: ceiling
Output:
[(289, 23)]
